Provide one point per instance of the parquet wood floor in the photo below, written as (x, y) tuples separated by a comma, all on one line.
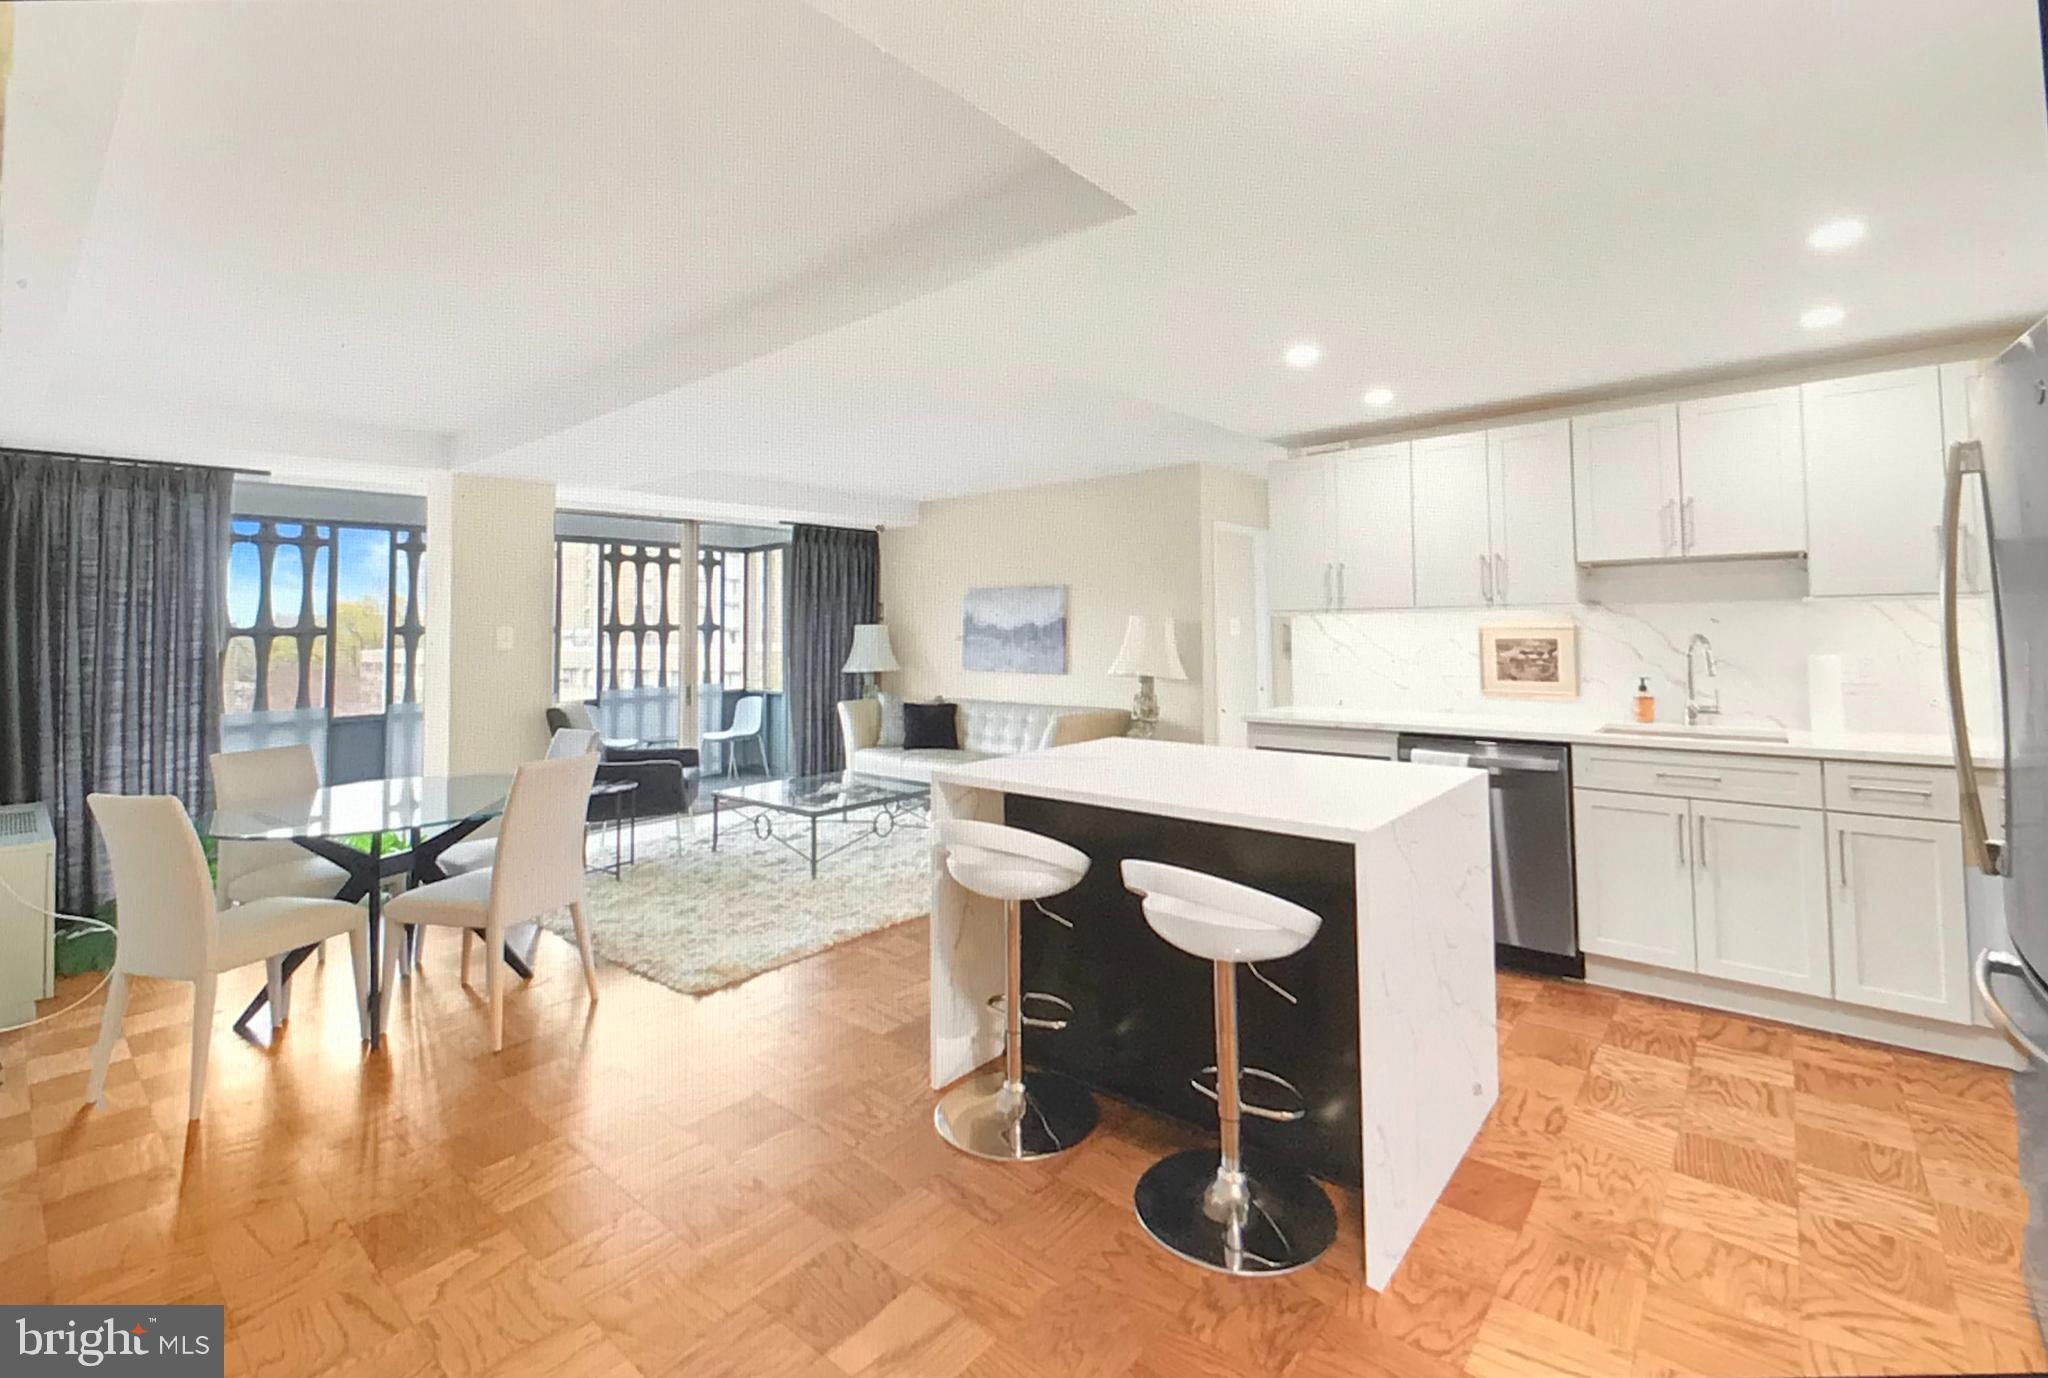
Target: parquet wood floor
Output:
[(747, 1184)]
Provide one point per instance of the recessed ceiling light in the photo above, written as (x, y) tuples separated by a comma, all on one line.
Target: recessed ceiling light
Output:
[(1303, 354), (1821, 317), (1837, 234), (1379, 397)]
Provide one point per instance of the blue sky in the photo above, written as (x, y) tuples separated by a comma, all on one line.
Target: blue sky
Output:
[(365, 567)]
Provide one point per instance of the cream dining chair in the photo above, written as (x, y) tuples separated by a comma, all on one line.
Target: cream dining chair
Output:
[(172, 929), (538, 870), (477, 853), (245, 871)]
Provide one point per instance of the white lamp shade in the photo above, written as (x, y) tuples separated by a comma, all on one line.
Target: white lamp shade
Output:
[(871, 653), (1150, 648)]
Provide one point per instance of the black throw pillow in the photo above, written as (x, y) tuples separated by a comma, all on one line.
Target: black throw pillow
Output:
[(931, 725)]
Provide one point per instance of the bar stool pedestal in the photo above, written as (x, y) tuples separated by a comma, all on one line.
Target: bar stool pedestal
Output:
[(1008, 1113), (1203, 1204)]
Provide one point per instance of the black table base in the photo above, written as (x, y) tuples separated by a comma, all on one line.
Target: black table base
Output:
[(367, 871)]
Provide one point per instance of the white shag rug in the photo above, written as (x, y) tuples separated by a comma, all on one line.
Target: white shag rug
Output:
[(696, 920)]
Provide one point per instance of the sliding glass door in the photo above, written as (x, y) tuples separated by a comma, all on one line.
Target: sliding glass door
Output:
[(741, 602), (622, 635), (664, 640)]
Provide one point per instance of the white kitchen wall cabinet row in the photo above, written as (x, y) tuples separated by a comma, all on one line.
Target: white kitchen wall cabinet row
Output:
[(1846, 472)]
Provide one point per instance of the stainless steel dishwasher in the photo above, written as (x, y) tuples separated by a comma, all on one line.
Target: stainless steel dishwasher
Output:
[(1535, 899)]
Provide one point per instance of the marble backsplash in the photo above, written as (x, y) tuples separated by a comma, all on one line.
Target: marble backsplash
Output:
[(1773, 655)]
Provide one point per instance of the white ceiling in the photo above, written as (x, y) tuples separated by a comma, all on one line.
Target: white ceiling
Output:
[(837, 259)]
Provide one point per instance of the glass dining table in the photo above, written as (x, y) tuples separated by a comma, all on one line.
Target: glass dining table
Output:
[(350, 825)]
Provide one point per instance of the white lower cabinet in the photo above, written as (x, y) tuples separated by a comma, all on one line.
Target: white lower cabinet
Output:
[(1635, 877), (1760, 896), (1901, 933), (1845, 903)]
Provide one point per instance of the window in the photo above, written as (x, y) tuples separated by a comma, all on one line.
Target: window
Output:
[(324, 623), (295, 589), (741, 627), (620, 619)]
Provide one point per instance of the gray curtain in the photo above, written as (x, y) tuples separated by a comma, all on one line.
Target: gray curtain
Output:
[(113, 604), (834, 582)]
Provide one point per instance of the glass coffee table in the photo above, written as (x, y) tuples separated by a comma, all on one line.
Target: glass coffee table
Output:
[(881, 803)]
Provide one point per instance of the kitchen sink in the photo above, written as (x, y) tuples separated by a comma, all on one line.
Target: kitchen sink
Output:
[(1711, 732)]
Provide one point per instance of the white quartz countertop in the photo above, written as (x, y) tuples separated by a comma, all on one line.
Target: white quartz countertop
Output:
[(1892, 748), (1335, 797)]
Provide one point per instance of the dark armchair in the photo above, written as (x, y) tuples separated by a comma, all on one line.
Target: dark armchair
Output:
[(667, 775)]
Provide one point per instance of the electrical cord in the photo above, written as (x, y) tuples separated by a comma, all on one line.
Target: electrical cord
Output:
[(90, 925)]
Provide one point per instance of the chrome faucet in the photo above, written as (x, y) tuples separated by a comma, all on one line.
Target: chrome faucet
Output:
[(1694, 708)]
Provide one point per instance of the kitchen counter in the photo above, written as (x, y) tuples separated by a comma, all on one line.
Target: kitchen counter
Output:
[(1888, 748), (1391, 1036), (1304, 796)]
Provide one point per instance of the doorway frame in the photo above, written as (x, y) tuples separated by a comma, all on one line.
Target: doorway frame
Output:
[(1262, 610)]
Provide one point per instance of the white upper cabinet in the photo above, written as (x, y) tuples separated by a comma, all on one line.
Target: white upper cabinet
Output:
[(1530, 500), (1453, 540), (1302, 576), (1960, 385), (1341, 532), (1873, 475), (1739, 460), (1625, 484), (1374, 538)]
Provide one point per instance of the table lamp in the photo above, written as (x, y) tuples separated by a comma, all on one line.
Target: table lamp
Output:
[(1150, 651), (871, 654)]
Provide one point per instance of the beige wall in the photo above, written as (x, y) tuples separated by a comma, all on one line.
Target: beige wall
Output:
[(490, 580), (1136, 543)]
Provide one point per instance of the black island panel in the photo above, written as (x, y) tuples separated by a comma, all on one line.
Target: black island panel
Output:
[(1144, 1013)]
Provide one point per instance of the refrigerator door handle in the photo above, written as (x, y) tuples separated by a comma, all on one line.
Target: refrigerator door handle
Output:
[(2006, 964), (1980, 849)]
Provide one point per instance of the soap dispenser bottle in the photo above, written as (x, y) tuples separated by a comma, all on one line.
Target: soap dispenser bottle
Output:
[(1646, 702)]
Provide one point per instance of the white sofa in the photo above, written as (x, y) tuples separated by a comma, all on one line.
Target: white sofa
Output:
[(987, 728)]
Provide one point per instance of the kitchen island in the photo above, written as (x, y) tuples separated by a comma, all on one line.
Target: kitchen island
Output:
[(1389, 1034)]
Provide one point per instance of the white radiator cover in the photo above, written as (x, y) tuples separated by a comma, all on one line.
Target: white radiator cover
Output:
[(28, 869)]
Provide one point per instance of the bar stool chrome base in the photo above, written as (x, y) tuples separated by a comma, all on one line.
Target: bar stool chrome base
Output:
[(1247, 1226), (979, 1117)]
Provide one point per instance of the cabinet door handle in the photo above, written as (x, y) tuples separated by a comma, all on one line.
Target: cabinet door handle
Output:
[(1698, 779), (1329, 594), (1680, 821), (1685, 524), (1485, 579), (1500, 577), (1701, 850), (1842, 857), (1911, 791), (1340, 583)]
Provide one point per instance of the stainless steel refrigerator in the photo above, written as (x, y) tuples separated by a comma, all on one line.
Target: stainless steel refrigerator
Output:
[(2011, 457)]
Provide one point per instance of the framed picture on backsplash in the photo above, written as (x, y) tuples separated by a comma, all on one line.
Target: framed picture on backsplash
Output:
[(1530, 661)]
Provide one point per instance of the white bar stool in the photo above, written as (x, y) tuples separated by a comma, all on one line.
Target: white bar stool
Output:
[(1200, 1204), (1013, 1114)]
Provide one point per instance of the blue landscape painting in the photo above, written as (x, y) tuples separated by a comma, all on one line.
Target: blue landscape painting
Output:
[(1022, 629)]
